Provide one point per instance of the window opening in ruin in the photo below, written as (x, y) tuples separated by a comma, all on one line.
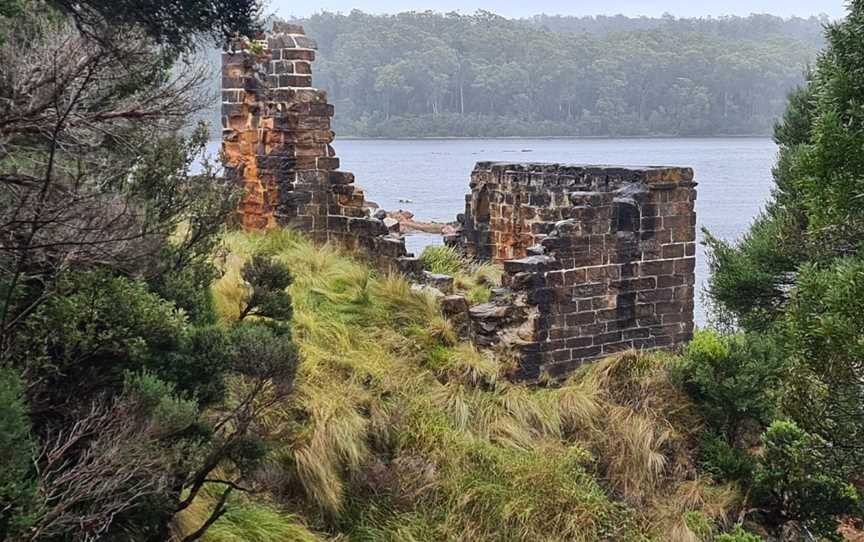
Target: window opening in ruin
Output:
[(627, 217), (482, 214)]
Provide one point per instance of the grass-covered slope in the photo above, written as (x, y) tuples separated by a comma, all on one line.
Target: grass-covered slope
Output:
[(397, 431)]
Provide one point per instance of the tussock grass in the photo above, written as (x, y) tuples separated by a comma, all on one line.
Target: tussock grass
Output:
[(442, 259), (244, 521), (474, 279), (399, 432)]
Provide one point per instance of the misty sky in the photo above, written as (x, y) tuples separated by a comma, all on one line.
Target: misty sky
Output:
[(524, 8)]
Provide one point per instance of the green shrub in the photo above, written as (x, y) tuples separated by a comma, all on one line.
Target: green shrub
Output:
[(724, 462), (748, 280), (80, 339), (16, 455), (442, 259), (189, 289), (195, 364), (264, 351), (473, 279), (160, 401), (97, 327), (793, 481), (698, 524), (267, 280), (732, 379), (479, 294), (739, 535), (822, 332)]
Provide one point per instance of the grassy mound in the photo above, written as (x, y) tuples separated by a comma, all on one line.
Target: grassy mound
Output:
[(399, 432)]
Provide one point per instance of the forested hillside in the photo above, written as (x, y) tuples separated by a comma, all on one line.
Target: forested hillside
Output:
[(432, 74)]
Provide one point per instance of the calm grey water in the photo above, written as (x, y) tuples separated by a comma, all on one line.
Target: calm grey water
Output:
[(734, 174)]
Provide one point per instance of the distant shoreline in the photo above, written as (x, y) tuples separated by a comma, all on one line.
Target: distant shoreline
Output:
[(543, 138)]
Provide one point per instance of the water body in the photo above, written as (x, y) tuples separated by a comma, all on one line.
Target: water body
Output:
[(734, 175)]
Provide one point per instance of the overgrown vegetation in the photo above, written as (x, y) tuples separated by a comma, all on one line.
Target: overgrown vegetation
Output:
[(115, 403), (793, 288), (397, 431), (473, 279)]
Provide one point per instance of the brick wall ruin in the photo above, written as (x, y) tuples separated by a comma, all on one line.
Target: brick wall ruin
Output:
[(276, 138), (597, 260)]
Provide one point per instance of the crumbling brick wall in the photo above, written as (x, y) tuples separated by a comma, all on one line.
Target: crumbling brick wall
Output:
[(276, 137), (597, 260)]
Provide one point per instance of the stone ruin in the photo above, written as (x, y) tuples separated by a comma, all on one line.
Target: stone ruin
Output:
[(276, 140), (597, 259)]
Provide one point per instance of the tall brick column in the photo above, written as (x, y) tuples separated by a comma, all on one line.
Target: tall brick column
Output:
[(276, 136)]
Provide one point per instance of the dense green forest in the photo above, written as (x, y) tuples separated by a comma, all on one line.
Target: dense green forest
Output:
[(443, 75), (166, 377)]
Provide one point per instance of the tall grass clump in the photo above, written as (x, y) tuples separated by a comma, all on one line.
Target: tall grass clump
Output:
[(397, 431), (245, 520), (442, 259), (474, 279)]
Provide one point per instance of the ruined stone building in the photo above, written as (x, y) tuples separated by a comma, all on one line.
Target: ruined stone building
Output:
[(597, 259)]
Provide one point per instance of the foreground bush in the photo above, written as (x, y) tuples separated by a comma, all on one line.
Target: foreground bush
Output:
[(795, 281), (795, 481), (17, 490), (733, 379)]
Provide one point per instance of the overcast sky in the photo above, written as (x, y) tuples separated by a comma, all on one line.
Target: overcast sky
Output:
[(524, 8)]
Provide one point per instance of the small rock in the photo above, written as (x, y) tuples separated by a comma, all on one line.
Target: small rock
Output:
[(529, 264), (449, 229), (567, 226), (403, 216), (489, 325), (489, 311), (410, 265), (501, 293), (380, 214), (453, 305), (441, 282), (391, 224), (427, 289)]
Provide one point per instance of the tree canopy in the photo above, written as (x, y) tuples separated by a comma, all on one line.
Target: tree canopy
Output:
[(433, 74), (796, 281), (175, 23)]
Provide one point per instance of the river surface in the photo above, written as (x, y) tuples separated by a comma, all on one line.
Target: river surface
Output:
[(430, 177)]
